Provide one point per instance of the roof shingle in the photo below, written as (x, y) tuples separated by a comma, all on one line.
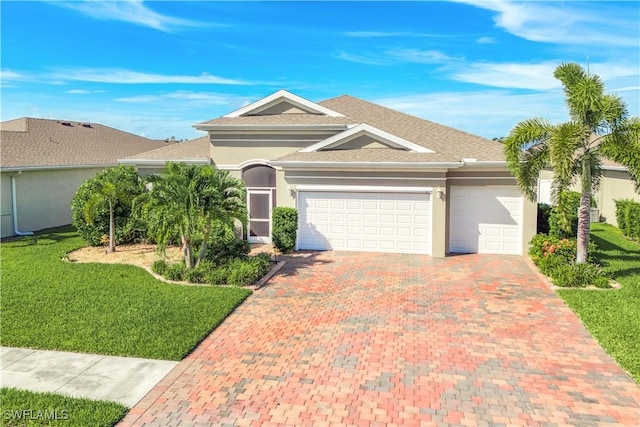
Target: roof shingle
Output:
[(30, 142)]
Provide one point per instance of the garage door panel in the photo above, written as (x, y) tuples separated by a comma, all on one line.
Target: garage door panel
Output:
[(485, 220), (389, 222)]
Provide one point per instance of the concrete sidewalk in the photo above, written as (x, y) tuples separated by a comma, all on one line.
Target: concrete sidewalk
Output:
[(120, 379)]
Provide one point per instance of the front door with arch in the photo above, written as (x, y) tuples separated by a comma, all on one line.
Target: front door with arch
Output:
[(260, 180)]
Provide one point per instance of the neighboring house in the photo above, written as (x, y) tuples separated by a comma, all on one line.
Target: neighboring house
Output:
[(367, 178), (43, 162), (616, 184)]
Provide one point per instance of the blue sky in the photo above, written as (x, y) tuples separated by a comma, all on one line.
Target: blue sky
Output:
[(156, 68)]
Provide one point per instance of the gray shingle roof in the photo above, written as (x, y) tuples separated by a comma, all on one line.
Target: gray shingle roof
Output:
[(188, 150), (30, 142), (452, 144)]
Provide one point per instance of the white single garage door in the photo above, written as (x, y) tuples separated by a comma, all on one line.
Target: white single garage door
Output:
[(485, 220), (375, 222)]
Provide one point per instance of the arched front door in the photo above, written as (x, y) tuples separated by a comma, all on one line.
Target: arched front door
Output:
[(261, 198)]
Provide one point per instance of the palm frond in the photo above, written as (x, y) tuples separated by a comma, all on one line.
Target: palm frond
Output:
[(527, 153)]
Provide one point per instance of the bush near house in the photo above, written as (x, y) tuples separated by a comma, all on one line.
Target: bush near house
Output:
[(285, 228), (127, 228), (628, 217), (556, 259), (544, 211), (569, 208)]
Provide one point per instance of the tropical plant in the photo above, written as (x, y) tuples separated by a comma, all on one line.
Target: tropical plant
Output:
[(187, 201), (599, 127), (285, 228), (102, 205)]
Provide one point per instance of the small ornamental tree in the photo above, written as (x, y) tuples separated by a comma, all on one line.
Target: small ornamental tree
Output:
[(102, 206)]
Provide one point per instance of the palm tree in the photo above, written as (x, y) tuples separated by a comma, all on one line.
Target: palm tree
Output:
[(111, 187), (186, 200), (598, 128)]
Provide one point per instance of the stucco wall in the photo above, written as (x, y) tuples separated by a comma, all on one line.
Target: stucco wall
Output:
[(233, 149), (615, 185), (43, 197)]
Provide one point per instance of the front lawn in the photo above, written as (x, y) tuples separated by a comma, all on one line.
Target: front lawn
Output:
[(26, 408), (48, 303), (613, 317)]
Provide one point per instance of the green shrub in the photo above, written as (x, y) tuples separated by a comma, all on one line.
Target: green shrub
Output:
[(579, 275), (544, 211), (223, 245), (542, 247), (128, 229), (159, 267), (628, 217), (242, 272), (194, 275), (563, 219), (217, 276), (285, 228), (175, 271)]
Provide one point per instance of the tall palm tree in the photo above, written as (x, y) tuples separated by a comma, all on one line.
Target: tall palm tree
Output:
[(186, 200), (599, 127)]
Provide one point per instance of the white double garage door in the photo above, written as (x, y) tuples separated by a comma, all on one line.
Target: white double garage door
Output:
[(482, 219)]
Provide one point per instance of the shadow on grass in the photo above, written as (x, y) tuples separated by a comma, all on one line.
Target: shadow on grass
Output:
[(48, 236), (609, 254)]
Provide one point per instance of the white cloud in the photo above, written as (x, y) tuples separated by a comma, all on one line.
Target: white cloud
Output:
[(122, 76), (186, 98), (372, 34), (367, 34), (10, 75), (360, 59), (486, 40), (422, 56), (132, 11), (537, 76), (564, 22)]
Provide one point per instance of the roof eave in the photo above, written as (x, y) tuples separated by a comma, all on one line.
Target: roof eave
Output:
[(368, 165), (54, 167), (210, 126), (163, 162)]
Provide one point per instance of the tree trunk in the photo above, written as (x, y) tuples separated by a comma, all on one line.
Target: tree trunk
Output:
[(112, 229), (186, 250), (203, 247), (584, 212)]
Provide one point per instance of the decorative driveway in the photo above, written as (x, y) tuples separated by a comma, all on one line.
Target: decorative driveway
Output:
[(341, 338)]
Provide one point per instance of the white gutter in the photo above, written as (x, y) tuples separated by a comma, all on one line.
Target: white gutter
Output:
[(14, 208), (54, 167), (483, 163), (155, 162), (206, 126), (372, 165)]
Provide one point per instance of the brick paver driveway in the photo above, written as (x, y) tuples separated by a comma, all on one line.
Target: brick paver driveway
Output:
[(376, 339)]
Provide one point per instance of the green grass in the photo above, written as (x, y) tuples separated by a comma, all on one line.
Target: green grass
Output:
[(613, 317), (107, 309), (26, 408)]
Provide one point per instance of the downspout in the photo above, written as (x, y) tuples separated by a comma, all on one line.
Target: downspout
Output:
[(14, 207)]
